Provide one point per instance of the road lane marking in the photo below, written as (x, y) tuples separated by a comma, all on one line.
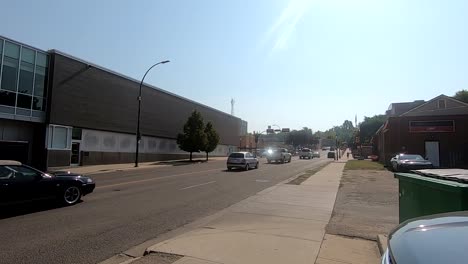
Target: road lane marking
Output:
[(262, 180), (196, 185), (154, 179)]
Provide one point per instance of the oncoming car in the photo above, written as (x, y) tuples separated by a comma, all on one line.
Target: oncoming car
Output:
[(20, 183)]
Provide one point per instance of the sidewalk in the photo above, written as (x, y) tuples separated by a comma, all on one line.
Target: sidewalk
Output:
[(96, 169), (282, 224)]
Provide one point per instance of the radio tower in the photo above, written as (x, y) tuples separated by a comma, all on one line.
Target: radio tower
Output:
[(232, 106)]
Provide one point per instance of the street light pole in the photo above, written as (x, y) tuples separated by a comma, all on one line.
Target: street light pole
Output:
[(138, 135)]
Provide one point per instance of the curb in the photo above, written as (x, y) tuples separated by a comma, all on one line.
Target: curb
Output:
[(382, 242)]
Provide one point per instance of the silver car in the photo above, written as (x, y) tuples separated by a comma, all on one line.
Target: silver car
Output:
[(242, 160)]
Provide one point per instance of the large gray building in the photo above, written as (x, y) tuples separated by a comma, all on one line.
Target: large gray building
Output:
[(58, 110)]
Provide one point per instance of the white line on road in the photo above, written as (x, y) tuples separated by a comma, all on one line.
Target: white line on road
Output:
[(193, 186), (154, 179)]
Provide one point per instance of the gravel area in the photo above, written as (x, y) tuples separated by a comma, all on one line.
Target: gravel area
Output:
[(366, 204)]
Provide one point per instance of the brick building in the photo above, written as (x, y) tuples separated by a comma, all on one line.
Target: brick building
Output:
[(436, 129)]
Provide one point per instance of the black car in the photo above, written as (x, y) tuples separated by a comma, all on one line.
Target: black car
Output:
[(405, 162), (430, 239), (20, 183), (331, 155)]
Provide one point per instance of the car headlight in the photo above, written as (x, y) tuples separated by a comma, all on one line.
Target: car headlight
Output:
[(270, 151), (89, 180)]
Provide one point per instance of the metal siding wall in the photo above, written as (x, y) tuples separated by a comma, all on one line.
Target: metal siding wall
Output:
[(102, 141), (96, 99)]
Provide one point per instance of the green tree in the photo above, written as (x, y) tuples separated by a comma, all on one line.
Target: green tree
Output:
[(193, 138), (462, 96), (369, 126), (212, 139)]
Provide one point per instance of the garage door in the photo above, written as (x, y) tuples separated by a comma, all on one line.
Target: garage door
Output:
[(14, 150)]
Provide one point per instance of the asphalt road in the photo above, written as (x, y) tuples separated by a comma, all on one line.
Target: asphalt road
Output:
[(128, 208)]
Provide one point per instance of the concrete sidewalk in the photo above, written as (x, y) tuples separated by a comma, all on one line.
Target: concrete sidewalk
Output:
[(96, 169), (282, 224)]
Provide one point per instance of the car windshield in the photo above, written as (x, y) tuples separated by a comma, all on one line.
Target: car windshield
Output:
[(305, 150), (236, 155), (411, 157)]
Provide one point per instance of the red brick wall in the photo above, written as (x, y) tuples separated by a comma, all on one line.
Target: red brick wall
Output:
[(453, 145)]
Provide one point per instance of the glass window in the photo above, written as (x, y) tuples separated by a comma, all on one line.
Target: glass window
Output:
[(5, 173), (7, 98), (59, 140), (24, 173), (38, 104), (24, 101), (12, 50), (1, 46), (9, 74), (28, 55), (41, 59), (39, 82), (26, 78), (76, 133)]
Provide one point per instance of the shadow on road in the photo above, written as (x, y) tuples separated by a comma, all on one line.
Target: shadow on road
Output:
[(28, 208)]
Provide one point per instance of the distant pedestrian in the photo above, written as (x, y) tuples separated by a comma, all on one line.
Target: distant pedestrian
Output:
[(347, 155)]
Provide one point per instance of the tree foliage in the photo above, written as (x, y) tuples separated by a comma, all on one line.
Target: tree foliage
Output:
[(303, 137), (462, 96), (369, 126), (193, 138), (212, 139)]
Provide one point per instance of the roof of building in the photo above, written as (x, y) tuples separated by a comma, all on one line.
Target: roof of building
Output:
[(137, 81), (396, 109), (452, 106)]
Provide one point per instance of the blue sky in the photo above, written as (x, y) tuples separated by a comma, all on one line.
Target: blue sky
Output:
[(293, 63)]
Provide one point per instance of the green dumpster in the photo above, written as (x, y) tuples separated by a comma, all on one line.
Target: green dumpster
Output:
[(422, 195)]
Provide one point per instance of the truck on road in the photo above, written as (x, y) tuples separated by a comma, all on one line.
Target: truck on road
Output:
[(278, 155)]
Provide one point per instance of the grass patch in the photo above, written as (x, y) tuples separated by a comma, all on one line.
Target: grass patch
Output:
[(363, 165), (301, 178)]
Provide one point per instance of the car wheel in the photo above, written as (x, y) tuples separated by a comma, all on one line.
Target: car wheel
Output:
[(256, 166), (282, 161), (300, 157), (289, 160), (71, 195), (229, 168), (246, 167)]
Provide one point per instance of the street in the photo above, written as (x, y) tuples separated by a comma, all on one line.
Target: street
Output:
[(130, 207)]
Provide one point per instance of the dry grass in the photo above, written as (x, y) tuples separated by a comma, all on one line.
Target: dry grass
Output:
[(363, 165)]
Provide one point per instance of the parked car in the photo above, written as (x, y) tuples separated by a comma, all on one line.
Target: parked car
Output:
[(437, 238), (305, 153), (315, 154), (331, 155), (405, 162), (242, 160), (279, 155), (20, 183)]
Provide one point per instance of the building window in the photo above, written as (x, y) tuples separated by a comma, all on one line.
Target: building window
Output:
[(441, 104), (38, 104), (24, 101), (12, 50), (28, 55), (39, 81), (76, 133), (59, 137), (26, 78), (9, 73), (41, 60), (7, 98)]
